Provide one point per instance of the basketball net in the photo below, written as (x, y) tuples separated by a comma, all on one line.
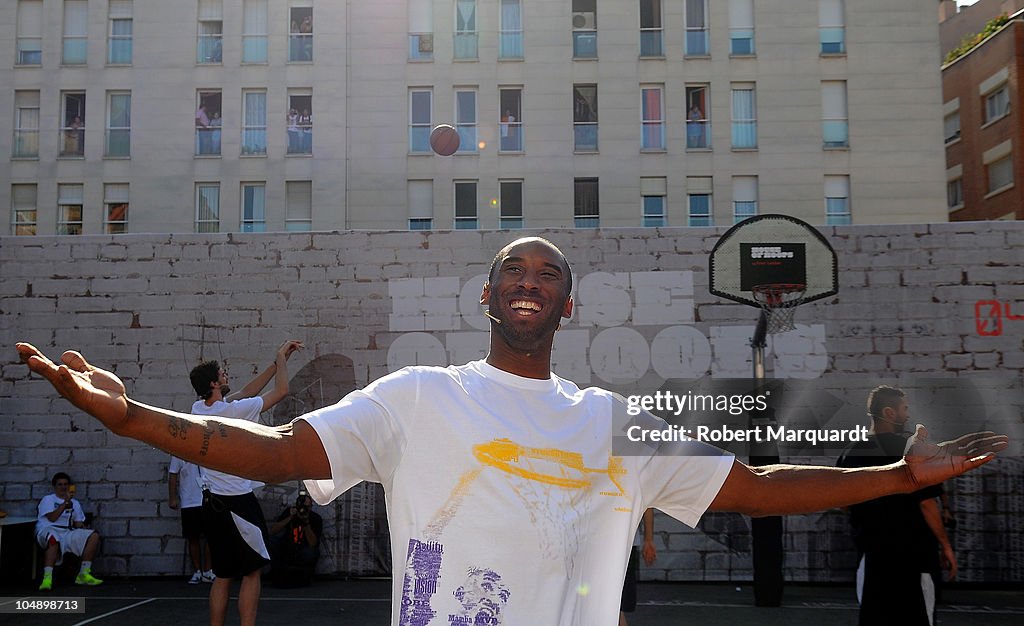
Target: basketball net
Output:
[(779, 302)]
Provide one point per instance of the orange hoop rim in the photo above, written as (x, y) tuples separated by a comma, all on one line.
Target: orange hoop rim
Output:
[(773, 295)]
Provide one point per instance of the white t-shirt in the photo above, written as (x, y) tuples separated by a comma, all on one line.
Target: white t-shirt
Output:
[(248, 409), (505, 503), (190, 483), (48, 505)]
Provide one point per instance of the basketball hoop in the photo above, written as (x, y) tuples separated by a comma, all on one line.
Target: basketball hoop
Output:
[(779, 302)]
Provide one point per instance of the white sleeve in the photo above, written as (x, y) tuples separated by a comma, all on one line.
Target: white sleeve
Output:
[(685, 486), (45, 507), (680, 478), (175, 465), (362, 440), (77, 514)]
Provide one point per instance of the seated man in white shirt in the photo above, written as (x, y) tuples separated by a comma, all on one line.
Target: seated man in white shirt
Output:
[(60, 528)]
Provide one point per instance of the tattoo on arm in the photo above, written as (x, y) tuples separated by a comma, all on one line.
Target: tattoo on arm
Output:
[(207, 434), (178, 427), (222, 430)]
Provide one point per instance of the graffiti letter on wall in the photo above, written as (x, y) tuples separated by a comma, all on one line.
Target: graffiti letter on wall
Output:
[(988, 318)]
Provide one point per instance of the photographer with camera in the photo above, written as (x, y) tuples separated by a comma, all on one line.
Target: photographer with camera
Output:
[(295, 543)]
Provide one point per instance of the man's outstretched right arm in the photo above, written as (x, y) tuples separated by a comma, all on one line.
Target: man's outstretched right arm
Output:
[(268, 454)]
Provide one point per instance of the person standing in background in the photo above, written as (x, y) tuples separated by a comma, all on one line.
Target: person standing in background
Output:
[(185, 493)]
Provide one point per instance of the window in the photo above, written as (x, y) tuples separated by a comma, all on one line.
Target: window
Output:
[(119, 124), (254, 214), (23, 209), (119, 36), (997, 103), (584, 118), (26, 125), (955, 194), (837, 201), (510, 38), (421, 30), (300, 33), (951, 124), (465, 205), (465, 119), (584, 29), (586, 210), (115, 204), (698, 123), (299, 201), (698, 199), (834, 123), (831, 30), (697, 28), (300, 121), (30, 35), (511, 204), (211, 28), (419, 120), (72, 132), (254, 126), (421, 204), (652, 118), (652, 199), (510, 101), (1000, 174), (69, 209), (208, 123), (254, 31), (207, 208), (744, 197), (465, 29), (650, 29), (741, 27), (76, 31), (744, 116)]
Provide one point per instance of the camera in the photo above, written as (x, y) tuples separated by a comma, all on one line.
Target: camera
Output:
[(300, 503)]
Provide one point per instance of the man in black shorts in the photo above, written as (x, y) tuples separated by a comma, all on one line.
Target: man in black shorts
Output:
[(231, 513), (900, 537)]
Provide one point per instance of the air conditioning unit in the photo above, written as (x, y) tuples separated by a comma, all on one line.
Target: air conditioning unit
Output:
[(427, 43), (584, 21)]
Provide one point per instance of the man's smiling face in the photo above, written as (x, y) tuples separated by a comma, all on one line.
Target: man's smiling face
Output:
[(528, 292)]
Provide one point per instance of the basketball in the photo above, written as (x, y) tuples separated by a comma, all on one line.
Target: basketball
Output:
[(444, 139)]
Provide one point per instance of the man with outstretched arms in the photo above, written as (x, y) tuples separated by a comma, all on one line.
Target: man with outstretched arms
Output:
[(506, 504)]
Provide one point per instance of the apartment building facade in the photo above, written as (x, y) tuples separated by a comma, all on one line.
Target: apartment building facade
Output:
[(251, 115), (984, 131)]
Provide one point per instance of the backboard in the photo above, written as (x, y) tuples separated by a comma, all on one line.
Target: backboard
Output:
[(772, 249)]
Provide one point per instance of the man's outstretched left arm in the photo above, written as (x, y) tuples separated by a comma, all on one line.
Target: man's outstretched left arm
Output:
[(794, 489)]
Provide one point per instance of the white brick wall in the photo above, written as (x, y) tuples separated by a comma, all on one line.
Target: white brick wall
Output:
[(150, 305)]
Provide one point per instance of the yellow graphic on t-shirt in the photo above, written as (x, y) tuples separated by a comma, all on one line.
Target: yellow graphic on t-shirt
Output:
[(535, 464), (554, 486)]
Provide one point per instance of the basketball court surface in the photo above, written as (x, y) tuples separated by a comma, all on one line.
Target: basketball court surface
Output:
[(159, 602)]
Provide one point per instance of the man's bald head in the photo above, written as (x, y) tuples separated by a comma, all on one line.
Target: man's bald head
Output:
[(504, 252)]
